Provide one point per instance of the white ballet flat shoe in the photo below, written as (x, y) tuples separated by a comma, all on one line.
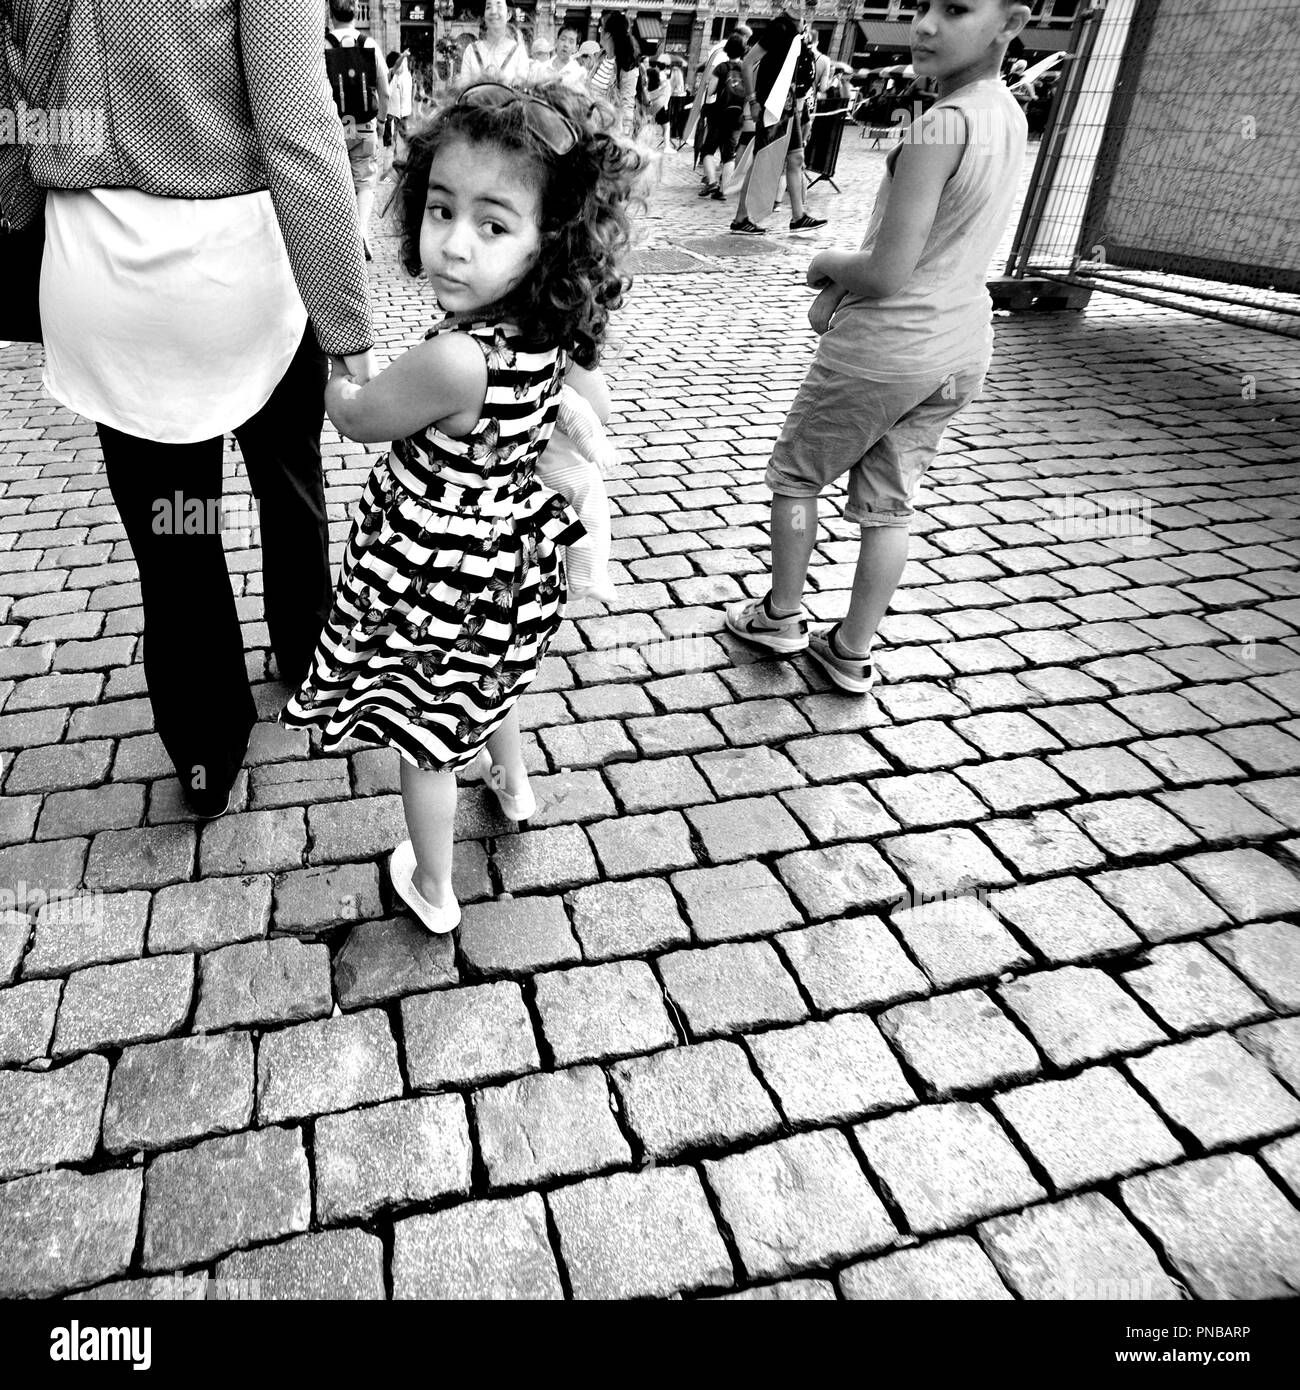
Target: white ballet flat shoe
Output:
[(520, 807), (401, 869)]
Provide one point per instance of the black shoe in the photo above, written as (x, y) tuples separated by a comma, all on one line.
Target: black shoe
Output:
[(709, 190), (207, 803), (718, 195), (807, 223), (365, 246), (747, 228)]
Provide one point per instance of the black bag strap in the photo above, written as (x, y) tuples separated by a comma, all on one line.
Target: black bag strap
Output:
[(332, 39)]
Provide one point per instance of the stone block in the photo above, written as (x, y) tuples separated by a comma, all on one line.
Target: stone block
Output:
[(464, 1036), (391, 1155), (327, 1065), (728, 988), (851, 964), (381, 960), (49, 1118), (262, 982), (797, 1203), (112, 1005), (1077, 1015), (213, 912), (596, 1012), (959, 1042)]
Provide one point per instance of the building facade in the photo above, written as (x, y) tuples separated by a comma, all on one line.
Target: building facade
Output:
[(864, 35)]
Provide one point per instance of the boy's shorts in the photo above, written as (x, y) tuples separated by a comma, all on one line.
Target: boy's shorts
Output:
[(883, 434)]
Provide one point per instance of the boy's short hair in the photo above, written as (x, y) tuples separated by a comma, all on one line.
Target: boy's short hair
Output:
[(735, 47), (344, 11)]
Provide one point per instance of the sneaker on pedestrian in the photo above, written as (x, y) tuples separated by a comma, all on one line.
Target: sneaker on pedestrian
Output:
[(718, 195), (710, 190), (747, 228), (856, 674), (807, 223), (755, 623)]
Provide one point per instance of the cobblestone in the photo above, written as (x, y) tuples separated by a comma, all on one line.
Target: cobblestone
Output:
[(1077, 1249), (310, 900), (111, 1005), (1268, 955), (947, 1165), (626, 919), (1078, 1015), (262, 982), (640, 1235), (380, 960), (955, 1268), (391, 1155), (467, 1036), (1224, 1226), (517, 936), (331, 1064), (702, 1096), (830, 1072), (210, 913), (1064, 920), (851, 964), (556, 1124), (1216, 1091), (724, 989), (1089, 1128), (86, 930), (958, 941), (959, 1042), (496, 1250), (224, 1194), (167, 1092), (797, 1203), (49, 1118), (734, 901), (1192, 992), (62, 1230), (345, 1265)]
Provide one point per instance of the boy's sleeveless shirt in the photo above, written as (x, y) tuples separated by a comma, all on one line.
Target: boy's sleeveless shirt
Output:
[(942, 318)]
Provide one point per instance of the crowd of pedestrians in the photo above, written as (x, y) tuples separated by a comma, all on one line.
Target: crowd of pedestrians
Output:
[(205, 274)]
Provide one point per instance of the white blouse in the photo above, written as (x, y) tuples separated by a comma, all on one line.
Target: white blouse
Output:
[(172, 319)]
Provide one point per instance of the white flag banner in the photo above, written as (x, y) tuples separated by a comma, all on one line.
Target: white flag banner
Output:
[(781, 87)]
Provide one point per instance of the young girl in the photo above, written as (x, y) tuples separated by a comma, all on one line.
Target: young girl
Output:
[(513, 204)]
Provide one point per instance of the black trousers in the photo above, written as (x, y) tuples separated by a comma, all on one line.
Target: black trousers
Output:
[(193, 647)]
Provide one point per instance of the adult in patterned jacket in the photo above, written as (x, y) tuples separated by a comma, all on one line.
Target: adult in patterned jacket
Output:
[(198, 259)]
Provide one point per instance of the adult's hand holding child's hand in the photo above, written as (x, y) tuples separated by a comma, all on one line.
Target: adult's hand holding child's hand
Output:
[(359, 366)]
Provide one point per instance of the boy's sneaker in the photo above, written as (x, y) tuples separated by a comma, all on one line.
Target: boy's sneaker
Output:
[(754, 622), (748, 228), (807, 223), (710, 190), (718, 195), (855, 674)]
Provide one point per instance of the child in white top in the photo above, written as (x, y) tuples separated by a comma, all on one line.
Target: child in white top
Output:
[(906, 325)]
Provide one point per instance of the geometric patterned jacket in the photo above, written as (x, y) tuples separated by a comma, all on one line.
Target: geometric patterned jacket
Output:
[(195, 99)]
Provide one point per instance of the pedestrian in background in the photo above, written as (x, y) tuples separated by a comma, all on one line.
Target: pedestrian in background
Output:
[(614, 77), (359, 82), (498, 54), (179, 255), (400, 103)]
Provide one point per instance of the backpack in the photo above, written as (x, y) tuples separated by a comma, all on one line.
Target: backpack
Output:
[(731, 85), (351, 72), (805, 70)]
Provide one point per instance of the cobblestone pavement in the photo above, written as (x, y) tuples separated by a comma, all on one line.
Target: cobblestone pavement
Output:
[(985, 986)]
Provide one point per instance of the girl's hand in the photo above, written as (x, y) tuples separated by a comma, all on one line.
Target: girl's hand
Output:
[(823, 307)]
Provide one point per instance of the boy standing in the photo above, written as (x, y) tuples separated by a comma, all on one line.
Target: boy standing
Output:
[(906, 325)]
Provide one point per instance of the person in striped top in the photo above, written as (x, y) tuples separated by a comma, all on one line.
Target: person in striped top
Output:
[(513, 207)]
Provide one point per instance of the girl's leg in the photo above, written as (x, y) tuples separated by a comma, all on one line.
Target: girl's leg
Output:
[(794, 533), (429, 800), (506, 749)]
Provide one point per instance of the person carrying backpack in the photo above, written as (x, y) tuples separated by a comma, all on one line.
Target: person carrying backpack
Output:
[(782, 128), (359, 83), (724, 111)]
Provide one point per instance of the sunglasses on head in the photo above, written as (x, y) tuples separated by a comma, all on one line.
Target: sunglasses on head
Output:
[(551, 126)]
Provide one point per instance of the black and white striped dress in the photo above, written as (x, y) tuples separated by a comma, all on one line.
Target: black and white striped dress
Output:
[(453, 577)]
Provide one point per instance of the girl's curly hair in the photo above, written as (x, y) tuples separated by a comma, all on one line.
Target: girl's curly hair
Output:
[(584, 196)]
